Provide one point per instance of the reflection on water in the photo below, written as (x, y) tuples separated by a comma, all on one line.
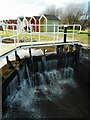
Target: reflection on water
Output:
[(56, 96)]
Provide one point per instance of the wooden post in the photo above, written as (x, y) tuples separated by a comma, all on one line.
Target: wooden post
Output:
[(17, 56), (9, 63), (25, 72)]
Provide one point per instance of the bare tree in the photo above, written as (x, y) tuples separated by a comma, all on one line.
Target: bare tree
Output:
[(72, 13), (52, 10)]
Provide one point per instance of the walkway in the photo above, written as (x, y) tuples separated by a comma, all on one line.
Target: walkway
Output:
[(5, 48)]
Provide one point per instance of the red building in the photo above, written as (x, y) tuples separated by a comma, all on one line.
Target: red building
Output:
[(12, 21), (35, 21)]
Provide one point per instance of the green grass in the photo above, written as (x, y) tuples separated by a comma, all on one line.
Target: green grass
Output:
[(35, 37), (7, 33), (82, 36)]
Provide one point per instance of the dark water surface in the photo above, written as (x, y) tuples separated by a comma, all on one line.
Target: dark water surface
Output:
[(62, 97)]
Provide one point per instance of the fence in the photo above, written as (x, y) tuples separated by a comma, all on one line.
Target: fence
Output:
[(51, 31)]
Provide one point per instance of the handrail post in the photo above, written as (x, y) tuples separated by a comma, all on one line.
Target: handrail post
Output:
[(27, 26), (13, 29), (15, 43), (80, 28), (73, 33), (57, 31), (0, 40), (54, 33), (39, 32), (31, 38)]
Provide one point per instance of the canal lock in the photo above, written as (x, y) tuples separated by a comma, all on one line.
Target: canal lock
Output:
[(32, 71)]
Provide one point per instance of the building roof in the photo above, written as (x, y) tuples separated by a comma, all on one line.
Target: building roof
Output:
[(37, 17), (51, 17), (13, 20), (5, 21), (28, 18), (21, 18)]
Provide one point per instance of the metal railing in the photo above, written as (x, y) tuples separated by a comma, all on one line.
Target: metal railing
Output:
[(52, 30)]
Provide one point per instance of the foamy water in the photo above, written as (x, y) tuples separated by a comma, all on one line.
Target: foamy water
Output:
[(61, 98)]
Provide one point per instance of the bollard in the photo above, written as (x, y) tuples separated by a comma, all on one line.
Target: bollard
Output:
[(30, 52), (65, 31)]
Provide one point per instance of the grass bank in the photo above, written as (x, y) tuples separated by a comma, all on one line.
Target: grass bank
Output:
[(83, 36)]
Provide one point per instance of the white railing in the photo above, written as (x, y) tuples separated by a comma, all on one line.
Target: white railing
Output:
[(49, 30), (54, 31)]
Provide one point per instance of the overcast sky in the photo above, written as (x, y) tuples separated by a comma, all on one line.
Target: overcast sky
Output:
[(11, 9)]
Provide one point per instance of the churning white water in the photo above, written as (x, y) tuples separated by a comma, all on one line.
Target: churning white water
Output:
[(52, 98)]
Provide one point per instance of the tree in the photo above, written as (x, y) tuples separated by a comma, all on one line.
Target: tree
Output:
[(71, 13), (52, 10)]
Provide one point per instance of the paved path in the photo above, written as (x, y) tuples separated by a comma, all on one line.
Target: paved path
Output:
[(5, 48)]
